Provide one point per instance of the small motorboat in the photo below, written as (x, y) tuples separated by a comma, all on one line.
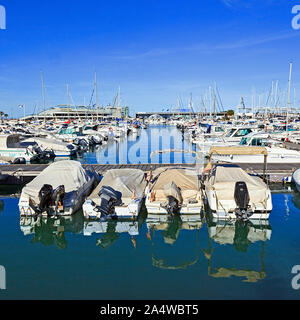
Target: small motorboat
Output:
[(58, 190), (234, 194), (173, 191), (119, 194)]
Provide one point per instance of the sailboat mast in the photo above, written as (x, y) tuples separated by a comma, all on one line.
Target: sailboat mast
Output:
[(43, 94), (68, 101), (289, 96), (96, 90)]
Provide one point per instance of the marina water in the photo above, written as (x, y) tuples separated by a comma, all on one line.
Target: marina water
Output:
[(174, 259)]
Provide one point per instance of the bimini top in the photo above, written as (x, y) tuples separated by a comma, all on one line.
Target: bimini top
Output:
[(238, 150)]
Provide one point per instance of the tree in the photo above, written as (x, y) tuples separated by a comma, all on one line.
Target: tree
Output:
[(230, 113)]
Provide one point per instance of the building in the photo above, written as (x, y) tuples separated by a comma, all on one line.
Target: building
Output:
[(63, 112)]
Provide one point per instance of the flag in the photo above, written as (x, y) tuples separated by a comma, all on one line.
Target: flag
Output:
[(208, 168)]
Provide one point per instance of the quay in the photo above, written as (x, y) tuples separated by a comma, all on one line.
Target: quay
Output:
[(19, 174)]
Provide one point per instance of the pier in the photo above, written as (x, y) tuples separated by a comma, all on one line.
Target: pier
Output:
[(20, 174)]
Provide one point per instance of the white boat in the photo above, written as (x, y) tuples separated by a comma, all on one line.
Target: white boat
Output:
[(296, 179), (173, 190), (58, 190), (120, 193), (60, 148), (276, 151), (232, 193), (10, 149), (231, 137)]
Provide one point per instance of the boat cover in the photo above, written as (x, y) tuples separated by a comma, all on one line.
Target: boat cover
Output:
[(224, 178), (171, 189), (185, 179), (68, 173), (125, 181)]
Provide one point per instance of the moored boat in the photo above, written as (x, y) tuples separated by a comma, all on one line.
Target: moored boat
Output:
[(58, 190), (234, 194), (120, 193)]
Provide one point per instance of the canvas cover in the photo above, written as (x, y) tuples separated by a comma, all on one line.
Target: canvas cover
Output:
[(68, 173), (171, 189), (238, 150), (224, 178), (125, 181), (185, 179)]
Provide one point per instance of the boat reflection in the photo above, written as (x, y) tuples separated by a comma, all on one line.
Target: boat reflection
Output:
[(112, 229), (166, 248), (239, 235), (296, 199), (49, 231), (1, 206)]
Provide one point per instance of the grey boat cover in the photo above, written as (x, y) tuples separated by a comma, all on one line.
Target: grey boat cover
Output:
[(67, 172), (125, 181)]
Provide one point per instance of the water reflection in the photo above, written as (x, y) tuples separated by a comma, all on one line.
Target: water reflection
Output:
[(165, 253), (296, 199), (49, 231), (240, 236), (175, 242)]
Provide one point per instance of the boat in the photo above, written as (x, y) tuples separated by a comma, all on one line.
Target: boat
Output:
[(296, 179), (173, 191), (58, 190), (234, 194), (120, 193), (60, 148), (277, 153), (11, 149), (231, 137)]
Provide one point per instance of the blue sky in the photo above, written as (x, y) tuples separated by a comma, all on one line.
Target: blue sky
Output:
[(155, 50)]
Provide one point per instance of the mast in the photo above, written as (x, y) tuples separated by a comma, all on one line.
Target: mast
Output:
[(43, 94), (68, 101), (289, 96), (96, 90)]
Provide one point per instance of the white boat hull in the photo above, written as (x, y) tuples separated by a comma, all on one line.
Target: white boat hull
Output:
[(130, 210)]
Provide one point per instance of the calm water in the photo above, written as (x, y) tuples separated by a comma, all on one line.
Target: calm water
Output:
[(74, 259)]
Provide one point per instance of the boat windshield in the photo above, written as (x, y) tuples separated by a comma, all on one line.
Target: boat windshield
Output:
[(219, 129), (230, 133), (261, 142), (242, 132), (244, 141)]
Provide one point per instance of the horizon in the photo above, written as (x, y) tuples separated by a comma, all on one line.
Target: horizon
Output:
[(156, 52)]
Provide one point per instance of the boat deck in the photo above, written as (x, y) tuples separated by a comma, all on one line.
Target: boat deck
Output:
[(276, 171)]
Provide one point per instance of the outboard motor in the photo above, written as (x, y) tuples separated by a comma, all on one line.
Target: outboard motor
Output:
[(172, 207), (76, 141), (83, 143), (110, 198), (19, 161), (45, 197), (58, 196), (242, 198)]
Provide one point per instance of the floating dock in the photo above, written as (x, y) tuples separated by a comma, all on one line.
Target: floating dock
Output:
[(20, 174)]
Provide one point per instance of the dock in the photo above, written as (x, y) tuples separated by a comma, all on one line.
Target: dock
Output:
[(20, 174)]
